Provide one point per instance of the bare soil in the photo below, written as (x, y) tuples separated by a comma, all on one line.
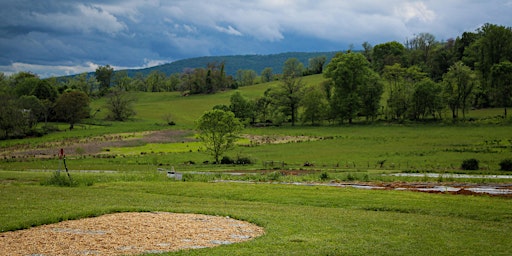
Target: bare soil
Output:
[(128, 234), (93, 145)]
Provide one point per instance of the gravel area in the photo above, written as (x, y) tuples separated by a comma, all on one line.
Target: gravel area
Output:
[(130, 233)]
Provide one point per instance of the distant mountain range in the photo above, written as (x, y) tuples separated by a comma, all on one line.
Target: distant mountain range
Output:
[(234, 63)]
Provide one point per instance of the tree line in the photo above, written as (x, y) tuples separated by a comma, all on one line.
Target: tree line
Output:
[(415, 80), (420, 79), (27, 100)]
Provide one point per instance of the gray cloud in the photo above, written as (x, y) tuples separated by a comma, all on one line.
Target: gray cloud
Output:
[(65, 36)]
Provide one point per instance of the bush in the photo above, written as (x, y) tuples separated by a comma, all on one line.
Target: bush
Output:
[(470, 164), (226, 160), (274, 176), (506, 165), (241, 160), (61, 180)]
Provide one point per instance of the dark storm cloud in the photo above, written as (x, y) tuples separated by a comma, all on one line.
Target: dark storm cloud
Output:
[(57, 37)]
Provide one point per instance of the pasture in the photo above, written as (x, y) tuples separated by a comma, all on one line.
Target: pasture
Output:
[(116, 168)]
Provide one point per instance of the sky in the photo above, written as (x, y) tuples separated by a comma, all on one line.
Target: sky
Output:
[(61, 37)]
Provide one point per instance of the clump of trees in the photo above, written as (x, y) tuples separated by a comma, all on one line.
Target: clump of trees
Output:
[(418, 80), (26, 100)]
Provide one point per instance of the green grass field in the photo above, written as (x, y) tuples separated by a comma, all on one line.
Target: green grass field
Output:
[(299, 220)]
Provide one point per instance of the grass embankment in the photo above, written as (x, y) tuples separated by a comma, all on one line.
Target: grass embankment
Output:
[(298, 220)]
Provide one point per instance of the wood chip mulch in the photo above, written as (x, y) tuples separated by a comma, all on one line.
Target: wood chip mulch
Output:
[(128, 234)]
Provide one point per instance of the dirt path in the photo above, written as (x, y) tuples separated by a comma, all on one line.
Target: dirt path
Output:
[(128, 234)]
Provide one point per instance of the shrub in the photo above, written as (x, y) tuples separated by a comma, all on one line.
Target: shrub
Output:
[(274, 176), (243, 160), (239, 160), (470, 164), (226, 160), (506, 165), (324, 176), (60, 180)]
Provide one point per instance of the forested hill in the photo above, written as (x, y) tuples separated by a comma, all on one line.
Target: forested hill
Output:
[(234, 63)]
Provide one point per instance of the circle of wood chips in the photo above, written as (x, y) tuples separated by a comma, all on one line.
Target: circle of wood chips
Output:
[(128, 233)]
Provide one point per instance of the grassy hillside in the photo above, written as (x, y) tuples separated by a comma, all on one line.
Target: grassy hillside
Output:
[(184, 110)]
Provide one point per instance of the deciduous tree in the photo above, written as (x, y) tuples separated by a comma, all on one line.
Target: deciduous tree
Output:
[(240, 106), (267, 75), (287, 97), (218, 131), (120, 105), (349, 73), (292, 68), (315, 105), (387, 54), (316, 64), (501, 85), (72, 107), (459, 82), (246, 77), (104, 76)]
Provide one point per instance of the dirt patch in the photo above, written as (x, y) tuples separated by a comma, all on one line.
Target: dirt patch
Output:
[(128, 234), (93, 145), (278, 139)]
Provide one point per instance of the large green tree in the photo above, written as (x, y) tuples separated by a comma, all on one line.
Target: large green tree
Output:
[(12, 121), (104, 76), (493, 46), (72, 107), (43, 90), (426, 100), (370, 94), (460, 82), (32, 109), (119, 104), (292, 68), (315, 105), (122, 80), (421, 49), (155, 81), (218, 130), (316, 64), (267, 75), (501, 85), (350, 73), (402, 85), (240, 106), (387, 54), (287, 96), (246, 77)]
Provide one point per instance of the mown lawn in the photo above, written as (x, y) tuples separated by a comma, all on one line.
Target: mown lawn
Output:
[(299, 220)]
